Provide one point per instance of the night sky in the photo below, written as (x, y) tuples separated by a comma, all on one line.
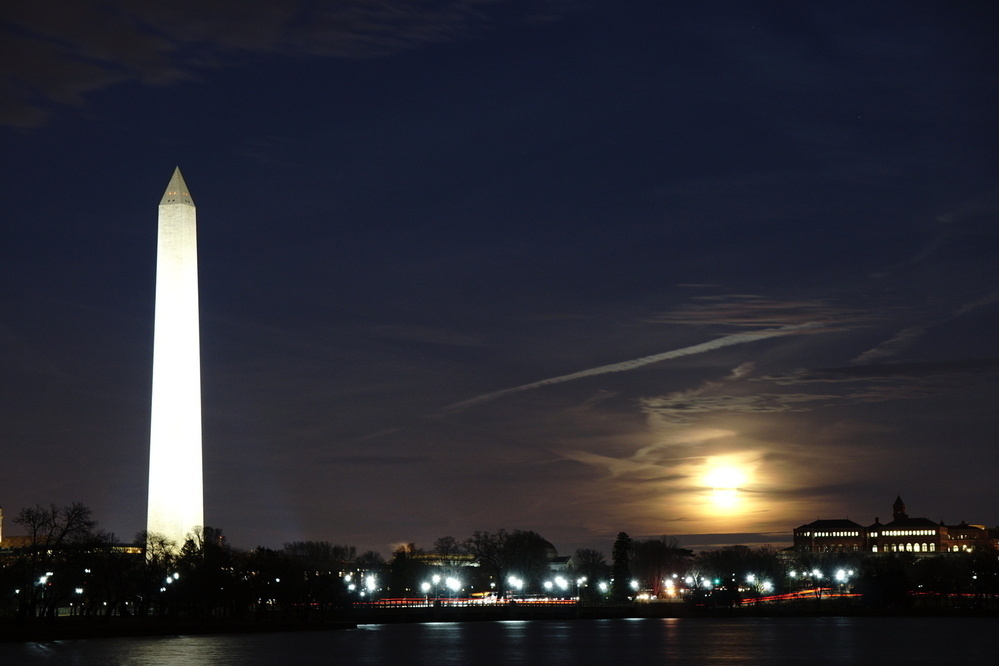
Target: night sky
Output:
[(711, 270)]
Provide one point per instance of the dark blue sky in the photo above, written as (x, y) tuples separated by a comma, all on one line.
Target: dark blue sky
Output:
[(407, 209)]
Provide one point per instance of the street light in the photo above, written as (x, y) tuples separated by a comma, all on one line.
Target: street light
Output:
[(454, 585), (515, 583)]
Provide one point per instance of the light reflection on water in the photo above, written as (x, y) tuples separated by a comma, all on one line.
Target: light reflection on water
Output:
[(553, 643)]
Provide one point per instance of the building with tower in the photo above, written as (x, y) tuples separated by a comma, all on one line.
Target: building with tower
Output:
[(176, 493), (903, 534)]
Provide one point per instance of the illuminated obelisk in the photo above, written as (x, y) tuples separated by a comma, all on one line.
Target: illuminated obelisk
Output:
[(176, 493)]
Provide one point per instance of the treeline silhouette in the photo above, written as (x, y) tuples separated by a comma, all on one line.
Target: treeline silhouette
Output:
[(64, 564)]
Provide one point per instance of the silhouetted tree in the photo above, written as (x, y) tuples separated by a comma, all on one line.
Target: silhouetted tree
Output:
[(319, 566), (51, 531), (621, 570), (107, 575), (322, 556), (53, 527), (884, 581), (592, 565), (735, 568), (274, 583), (526, 553), (523, 553), (160, 561), (451, 556), (656, 560), (405, 571), (487, 549), (371, 561), (205, 571)]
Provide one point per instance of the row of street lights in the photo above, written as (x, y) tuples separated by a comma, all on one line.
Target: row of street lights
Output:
[(367, 585), (451, 583)]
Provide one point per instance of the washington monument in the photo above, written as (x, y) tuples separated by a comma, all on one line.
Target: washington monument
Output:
[(176, 494)]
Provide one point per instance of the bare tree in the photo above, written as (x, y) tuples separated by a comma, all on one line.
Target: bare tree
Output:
[(592, 564), (370, 561), (53, 527), (321, 556), (50, 531), (451, 555), (161, 560), (521, 552), (656, 560)]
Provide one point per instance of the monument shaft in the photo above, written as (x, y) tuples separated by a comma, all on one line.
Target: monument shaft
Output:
[(176, 493)]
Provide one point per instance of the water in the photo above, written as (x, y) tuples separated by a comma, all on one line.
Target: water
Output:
[(553, 643)]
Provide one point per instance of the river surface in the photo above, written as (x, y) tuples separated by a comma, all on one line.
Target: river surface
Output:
[(557, 643)]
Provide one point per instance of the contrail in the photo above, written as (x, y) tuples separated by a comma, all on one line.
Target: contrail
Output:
[(727, 341)]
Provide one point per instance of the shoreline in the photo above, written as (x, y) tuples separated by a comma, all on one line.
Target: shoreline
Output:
[(85, 628)]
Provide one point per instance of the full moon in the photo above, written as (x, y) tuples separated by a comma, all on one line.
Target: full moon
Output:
[(724, 482), (725, 478)]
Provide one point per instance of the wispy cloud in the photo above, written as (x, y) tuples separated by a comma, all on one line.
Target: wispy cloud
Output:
[(886, 371), (886, 382), (683, 407), (892, 346), (635, 469), (758, 311), (719, 343), (948, 229), (680, 407), (54, 54), (978, 303)]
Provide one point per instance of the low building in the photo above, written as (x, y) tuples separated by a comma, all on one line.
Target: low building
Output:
[(967, 538), (831, 536)]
